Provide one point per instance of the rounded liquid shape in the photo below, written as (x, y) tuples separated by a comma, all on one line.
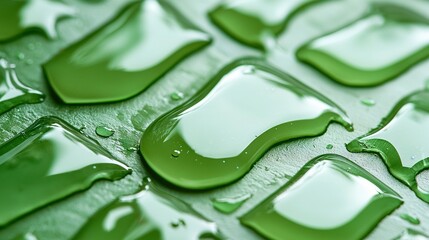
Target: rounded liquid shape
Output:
[(222, 131)]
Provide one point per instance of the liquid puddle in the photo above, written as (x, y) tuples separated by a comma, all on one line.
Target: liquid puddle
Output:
[(12, 91), (125, 56), (329, 198), (217, 136), (374, 49), (148, 214), (400, 140), (49, 161)]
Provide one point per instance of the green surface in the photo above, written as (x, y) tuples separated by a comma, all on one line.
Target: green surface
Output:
[(62, 219), (217, 136), (330, 198)]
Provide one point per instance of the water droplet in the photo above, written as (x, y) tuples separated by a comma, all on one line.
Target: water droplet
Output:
[(176, 153), (411, 234), (151, 214), (40, 166), (410, 219), (230, 204), (326, 200), (17, 17), (400, 140), (329, 146), (368, 102), (104, 131), (136, 50), (250, 22), (344, 55), (178, 223), (21, 56), (222, 123), (12, 91), (176, 96)]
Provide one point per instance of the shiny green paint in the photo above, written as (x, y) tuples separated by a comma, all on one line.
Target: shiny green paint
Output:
[(254, 22), (125, 56), (48, 161), (17, 17), (218, 135), (329, 198), (230, 204), (400, 140), (148, 214), (12, 91), (373, 50)]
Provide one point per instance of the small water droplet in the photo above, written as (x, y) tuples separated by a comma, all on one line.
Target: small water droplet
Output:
[(411, 219), (368, 102), (179, 223), (176, 153), (21, 56), (329, 146), (104, 131), (230, 204), (177, 96)]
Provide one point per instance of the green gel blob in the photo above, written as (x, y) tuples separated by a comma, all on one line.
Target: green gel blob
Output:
[(104, 131), (330, 198), (12, 91), (125, 56), (400, 140), (218, 135), (230, 205), (374, 49), (148, 214), (17, 17), (48, 161), (253, 22), (411, 219)]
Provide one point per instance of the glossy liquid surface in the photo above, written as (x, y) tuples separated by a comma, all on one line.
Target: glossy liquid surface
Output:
[(254, 22), (410, 219), (411, 234), (329, 198), (104, 131), (12, 91), (48, 161), (148, 214), (17, 17), (125, 56), (400, 140), (230, 205), (372, 50), (218, 135)]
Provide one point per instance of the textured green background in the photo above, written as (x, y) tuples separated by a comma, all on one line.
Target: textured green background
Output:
[(129, 118)]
